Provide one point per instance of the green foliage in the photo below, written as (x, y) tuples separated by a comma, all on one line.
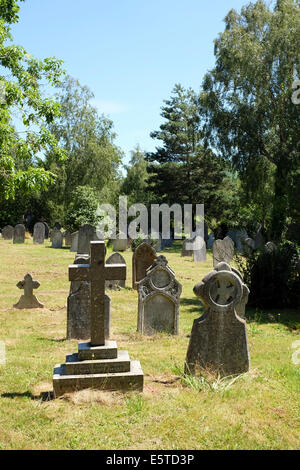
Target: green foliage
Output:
[(272, 277), (21, 97), (247, 106), (135, 184), (82, 210)]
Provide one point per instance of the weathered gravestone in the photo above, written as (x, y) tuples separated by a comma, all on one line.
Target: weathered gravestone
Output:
[(187, 248), (7, 232), (28, 299), (19, 233), (74, 242), (142, 259), (223, 251), (218, 341), (47, 230), (56, 238), (248, 245), (159, 299), (68, 238), (86, 234), (115, 284), (120, 244), (199, 252), (39, 233), (79, 307), (98, 364)]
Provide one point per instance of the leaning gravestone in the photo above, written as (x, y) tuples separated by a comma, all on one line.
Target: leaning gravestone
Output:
[(39, 233), (8, 232), (142, 259), (28, 299), (74, 242), (115, 258), (86, 234), (159, 298), (218, 341), (19, 233), (79, 307), (57, 239), (199, 252), (98, 364), (223, 251)]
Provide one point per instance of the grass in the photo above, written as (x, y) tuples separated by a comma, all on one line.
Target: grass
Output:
[(258, 410)]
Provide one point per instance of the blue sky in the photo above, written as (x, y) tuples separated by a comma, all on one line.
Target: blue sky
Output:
[(129, 52)]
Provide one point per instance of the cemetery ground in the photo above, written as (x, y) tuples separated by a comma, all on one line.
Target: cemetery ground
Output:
[(258, 410)]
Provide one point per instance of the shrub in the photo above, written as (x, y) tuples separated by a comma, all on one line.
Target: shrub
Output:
[(82, 210)]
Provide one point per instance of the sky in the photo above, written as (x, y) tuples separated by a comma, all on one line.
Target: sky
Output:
[(130, 53)]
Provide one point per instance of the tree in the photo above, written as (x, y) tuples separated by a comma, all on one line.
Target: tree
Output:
[(135, 184), (88, 141), (20, 95), (246, 100), (83, 209)]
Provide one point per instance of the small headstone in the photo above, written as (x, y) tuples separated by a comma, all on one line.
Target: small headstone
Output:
[(68, 238), (142, 259), (28, 299), (218, 341), (57, 239), (187, 250), (86, 234), (79, 307), (159, 298), (120, 244), (19, 233), (199, 253), (74, 242), (7, 232), (115, 284), (223, 251), (39, 233)]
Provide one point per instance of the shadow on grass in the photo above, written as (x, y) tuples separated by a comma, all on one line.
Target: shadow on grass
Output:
[(194, 305), (62, 248), (52, 340), (44, 396), (287, 317)]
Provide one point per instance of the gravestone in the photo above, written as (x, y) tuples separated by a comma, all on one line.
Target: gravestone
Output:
[(79, 307), (7, 232), (115, 258), (142, 259), (223, 250), (199, 253), (28, 299), (39, 233), (56, 238), (120, 244), (86, 234), (98, 364), (218, 341), (248, 245), (187, 250), (47, 230), (159, 299), (19, 233), (68, 238), (74, 242)]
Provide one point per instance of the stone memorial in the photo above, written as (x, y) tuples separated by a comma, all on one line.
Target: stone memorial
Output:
[(142, 259), (56, 239), (39, 233), (86, 234), (187, 249), (28, 299), (19, 233), (74, 242), (248, 245), (218, 341), (68, 238), (98, 363), (223, 250), (7, 232), (115, 284), (120, 244), (47, 230), (79, 307), (159, 299), (199, 252)]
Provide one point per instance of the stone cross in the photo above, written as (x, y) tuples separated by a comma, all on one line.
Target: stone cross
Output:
[(224, 292), (28, 300), (97, 272)]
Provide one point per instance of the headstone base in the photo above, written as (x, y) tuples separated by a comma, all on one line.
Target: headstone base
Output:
[(98, 367)]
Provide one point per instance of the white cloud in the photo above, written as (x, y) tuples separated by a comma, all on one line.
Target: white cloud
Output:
[(109, 107)]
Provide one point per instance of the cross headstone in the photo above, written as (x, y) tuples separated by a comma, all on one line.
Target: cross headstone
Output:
[(28, 299), (97, 272)]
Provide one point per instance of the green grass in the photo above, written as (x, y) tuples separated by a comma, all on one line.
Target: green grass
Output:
[(258, 410)]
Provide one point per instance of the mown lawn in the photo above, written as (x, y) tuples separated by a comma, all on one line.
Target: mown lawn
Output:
[(260, 410)]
